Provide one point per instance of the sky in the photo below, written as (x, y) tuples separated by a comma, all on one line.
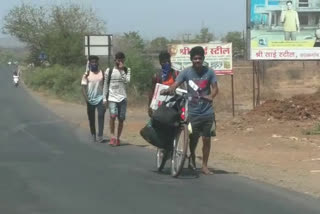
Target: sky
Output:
[(153, 18)]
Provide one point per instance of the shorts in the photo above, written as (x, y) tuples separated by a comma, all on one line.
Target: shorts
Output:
[(204, 128), (118, 110)]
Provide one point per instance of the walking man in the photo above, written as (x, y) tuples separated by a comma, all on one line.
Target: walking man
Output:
[(115, 95), (92, 90)]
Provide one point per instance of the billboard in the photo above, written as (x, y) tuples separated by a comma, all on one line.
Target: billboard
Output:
[(218, 56), (284, 30)]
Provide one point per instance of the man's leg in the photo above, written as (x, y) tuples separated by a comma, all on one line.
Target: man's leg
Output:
[(193, 145), (206, 152), (113, 115), (293, 36), (112, 126), (120, 127), (207, 130), (286, 36), (91, 118), (122, 106), (101, 113)]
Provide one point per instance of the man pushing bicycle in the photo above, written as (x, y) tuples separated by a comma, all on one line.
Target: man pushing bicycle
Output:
[(202, 88)]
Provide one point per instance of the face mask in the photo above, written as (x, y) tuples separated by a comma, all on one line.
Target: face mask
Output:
[(94, 68), (166, 68)]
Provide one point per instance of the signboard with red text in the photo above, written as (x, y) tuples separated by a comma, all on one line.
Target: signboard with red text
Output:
[(218, 56)]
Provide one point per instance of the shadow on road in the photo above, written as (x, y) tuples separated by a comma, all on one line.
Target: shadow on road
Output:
[(193, 174)]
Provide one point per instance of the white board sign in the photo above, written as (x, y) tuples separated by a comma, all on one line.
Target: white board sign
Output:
[(97, 40), (97, 51), (97, 45)]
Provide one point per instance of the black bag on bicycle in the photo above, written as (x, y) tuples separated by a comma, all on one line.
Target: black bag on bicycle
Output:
[(167, 115), (158, 137)]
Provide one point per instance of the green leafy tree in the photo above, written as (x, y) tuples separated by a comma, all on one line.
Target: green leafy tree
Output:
[(158, 44), (58, 30), (238, 43), (134, 39), (204, 36)]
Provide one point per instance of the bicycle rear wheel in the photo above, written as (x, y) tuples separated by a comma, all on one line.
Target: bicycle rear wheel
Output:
[(180, 148)]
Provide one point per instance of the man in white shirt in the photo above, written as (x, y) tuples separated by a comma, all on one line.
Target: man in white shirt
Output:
[(115, 94), (92, 90)]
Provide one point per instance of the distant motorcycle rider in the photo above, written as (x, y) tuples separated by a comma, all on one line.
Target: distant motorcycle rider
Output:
[(16, 77)]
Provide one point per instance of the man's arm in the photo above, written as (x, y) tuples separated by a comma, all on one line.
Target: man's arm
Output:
[(151, 92), (282, 17), (105, 85), (214, 90), (84, 93), (84, 87), (297, 22), (126, 77), (153, 86), (171, 89)]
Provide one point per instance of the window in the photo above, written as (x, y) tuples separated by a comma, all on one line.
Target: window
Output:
[(303, 3), (303, 19)]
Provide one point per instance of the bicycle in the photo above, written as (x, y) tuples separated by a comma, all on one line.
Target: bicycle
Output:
[(179, 150)]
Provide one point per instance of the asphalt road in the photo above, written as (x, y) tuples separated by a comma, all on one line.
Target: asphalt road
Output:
[(46, 166)]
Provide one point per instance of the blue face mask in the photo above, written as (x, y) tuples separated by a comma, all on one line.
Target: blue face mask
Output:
[(166, 68), (94, 67)]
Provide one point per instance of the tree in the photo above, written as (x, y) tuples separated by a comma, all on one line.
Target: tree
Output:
[(134, 39), (158, 44), (204, 36), (238, 43), (132, 45), (58, 30)]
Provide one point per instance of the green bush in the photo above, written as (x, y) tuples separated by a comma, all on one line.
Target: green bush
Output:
[(63, 82)]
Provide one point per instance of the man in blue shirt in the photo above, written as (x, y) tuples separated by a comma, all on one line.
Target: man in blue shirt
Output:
[(202, 88)]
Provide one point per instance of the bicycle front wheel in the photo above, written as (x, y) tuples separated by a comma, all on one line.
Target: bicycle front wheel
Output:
[(180, 148)]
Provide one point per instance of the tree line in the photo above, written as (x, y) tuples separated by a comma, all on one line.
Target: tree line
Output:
[(59, 30)]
